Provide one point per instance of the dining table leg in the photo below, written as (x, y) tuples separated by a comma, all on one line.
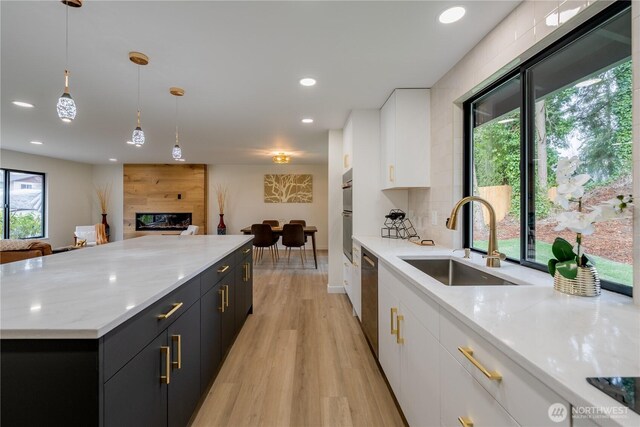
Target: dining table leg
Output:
[(315, 255)]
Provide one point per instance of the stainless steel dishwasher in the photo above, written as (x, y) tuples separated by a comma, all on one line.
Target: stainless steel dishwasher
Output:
[(369, 291)]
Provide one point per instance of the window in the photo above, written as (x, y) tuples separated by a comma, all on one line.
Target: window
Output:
[(575, 99), (23, 198)]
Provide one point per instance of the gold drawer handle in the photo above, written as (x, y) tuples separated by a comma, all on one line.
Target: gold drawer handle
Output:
[(465, 421), (178, 340), (391, 174), (175, 308), (223, 269), (221, 292), (226, 295), (394, 331), (166, 378), (468, 353), (399, 338), (246, 251)]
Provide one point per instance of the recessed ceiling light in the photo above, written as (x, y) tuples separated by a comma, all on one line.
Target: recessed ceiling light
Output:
[(180, 160), (588, 82), (452, 15), (130, 142), (307, 120), (308, 81), (22, 104), (36, 142), (113, 160)]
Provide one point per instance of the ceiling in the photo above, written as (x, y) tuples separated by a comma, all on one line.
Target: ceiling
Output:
[(239, 63)]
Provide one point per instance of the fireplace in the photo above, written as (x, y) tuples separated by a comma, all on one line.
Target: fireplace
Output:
[(162, 221)]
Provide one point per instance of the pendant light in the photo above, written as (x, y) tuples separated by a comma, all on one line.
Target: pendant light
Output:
[(140, 59), (176, 152), (66, 106)]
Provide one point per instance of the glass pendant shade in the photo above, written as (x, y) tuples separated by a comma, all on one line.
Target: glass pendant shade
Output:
[(138, 136), (66, 108), (176, 152)]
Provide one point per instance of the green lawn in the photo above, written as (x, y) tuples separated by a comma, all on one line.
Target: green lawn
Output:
[(608, 270)]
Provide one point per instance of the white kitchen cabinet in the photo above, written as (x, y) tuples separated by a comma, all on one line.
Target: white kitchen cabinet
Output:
[(408, 353), (405, 139), (356, 281), (388, 348), (347, 146), (465, 400), (346, 275), (435, 383), (525, 398)]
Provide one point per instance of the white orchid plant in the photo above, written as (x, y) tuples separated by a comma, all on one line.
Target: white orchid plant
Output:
[(571, 190)]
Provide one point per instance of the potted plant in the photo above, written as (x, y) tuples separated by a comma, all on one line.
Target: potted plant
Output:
[(573, 271)]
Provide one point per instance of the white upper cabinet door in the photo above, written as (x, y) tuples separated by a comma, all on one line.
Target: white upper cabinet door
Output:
[(347, 146), (406, 139)]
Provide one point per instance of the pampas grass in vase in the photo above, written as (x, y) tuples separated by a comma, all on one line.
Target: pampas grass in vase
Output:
[(221, 192), (104, 194)]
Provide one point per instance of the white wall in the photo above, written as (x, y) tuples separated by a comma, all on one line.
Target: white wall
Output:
[(110, 175), (246, 206), (335, 212), (69, 192)]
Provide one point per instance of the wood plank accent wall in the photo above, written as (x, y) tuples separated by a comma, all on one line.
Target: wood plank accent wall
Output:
[(155, 188)]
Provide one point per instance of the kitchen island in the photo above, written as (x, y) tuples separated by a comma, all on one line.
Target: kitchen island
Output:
[(129, 333)]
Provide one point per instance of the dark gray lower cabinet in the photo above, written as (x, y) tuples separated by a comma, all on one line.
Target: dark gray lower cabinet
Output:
[(135, 396), (210, 345), (149, 371), (184, 384), (227, 318), (244, 290)]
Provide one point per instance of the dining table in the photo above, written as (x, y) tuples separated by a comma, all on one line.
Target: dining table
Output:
[(309, 230)]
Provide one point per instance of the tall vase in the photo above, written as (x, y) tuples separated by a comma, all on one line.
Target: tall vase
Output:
[(222, 228), (106, 225)]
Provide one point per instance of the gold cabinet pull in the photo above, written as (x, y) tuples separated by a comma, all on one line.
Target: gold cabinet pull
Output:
[(226, 295), (394, 331), (391, 174), (468, 353), (346, 160), (399, 338), (369, 260), (246, 251), (223, 269), (221, 292), (465, 421), (178, 340), (166, 378), (248, 271), (175, 308)]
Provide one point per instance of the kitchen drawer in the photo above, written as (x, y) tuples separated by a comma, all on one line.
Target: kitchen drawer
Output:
[(463, 397), (244, 252), (519, 392), (212, 275), (424, 308), (124, 342)]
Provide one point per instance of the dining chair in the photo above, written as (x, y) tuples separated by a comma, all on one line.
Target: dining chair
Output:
[(263, 238), (274, 223), (293, 237), (304, 224)]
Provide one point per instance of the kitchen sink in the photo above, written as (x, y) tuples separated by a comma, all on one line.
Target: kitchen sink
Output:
[(453, 273)]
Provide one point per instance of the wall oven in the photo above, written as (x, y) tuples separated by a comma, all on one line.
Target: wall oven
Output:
[(347, 214)]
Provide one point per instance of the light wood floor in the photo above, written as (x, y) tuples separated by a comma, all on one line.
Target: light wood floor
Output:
[(301, 359)]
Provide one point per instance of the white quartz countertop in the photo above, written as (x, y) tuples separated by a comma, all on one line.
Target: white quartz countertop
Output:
[(87, 292), (558, 338)]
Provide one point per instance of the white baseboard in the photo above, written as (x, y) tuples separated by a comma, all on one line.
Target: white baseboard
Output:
[(332, 289)]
